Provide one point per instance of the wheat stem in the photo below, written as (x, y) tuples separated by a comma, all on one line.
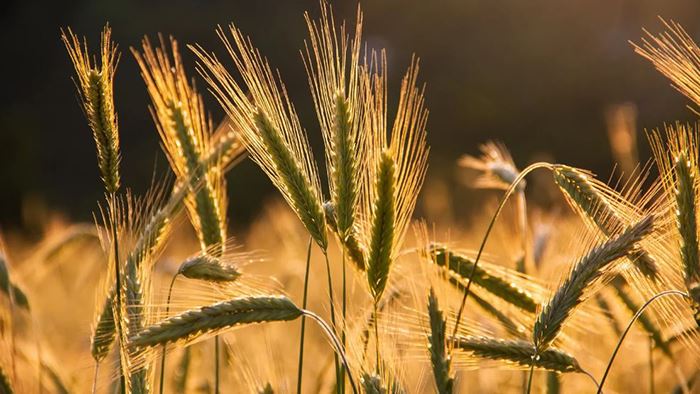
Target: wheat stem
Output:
[(300, 365), (629, 326), (335, 343), (162, 358), (507, 194)]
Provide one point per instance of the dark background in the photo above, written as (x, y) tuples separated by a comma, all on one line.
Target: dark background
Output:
[(537, 75)]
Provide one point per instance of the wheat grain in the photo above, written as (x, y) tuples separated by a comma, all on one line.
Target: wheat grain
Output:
[(382, 230)]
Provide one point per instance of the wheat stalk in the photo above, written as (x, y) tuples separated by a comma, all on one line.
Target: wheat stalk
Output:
[(95, 85), (587, 270), (439, 358), (460, 267), (351, 243), (582, 194), (518, 352)]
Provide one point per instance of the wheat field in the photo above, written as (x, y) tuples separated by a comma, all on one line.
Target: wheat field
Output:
[(339, 287)]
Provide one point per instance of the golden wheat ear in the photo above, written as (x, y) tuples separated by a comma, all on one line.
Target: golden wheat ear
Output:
[(395, 174), (260, 110), (677, 161), (675, 54), (186, 135), (95, 86), (332, 62)]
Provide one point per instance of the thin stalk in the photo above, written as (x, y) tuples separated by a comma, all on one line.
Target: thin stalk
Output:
[(216, 364), (118, 297), (376, 335), (162, 357), (522, 223), (529, 379), (335, 343), (510, 190), (332, 302), (651, 365), (342, 368), (629, 326), (94, 378), (303, 318)]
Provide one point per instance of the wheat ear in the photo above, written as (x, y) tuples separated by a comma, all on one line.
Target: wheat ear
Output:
[(589, 268), (675, 55), (95, 85), (582, 194), (261, 112), (208, 268), (460, 267), (518, 352), (192, 324), (186, 134), (439, 358)]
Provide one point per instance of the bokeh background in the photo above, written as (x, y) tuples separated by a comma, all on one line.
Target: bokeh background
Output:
[(538, 75)]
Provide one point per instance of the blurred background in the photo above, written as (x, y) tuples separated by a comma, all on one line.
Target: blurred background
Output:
[(549, 79)]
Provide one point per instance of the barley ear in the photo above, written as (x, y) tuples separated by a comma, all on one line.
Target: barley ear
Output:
[(584, 196), (686, 220), (186, 135), (518, 352), (193, 324), (439, 358), (208, 268), (382, 229), (459, 268), (573, 290), (95, 86)]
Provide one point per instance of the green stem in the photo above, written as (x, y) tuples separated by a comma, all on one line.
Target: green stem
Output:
[(118, 298), (216, 364), (162, 357), (532, 371), (629, 326), (303, 318), (342, 368), (651, 365), (376, 336), (337, 347), (502, 204), (332, 304)]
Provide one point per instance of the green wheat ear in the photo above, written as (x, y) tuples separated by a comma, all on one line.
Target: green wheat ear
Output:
[(571, 293), (439, 358), (303, 198), (382, 229)]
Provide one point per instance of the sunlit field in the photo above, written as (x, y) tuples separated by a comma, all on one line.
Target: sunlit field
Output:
[(554, 280)]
